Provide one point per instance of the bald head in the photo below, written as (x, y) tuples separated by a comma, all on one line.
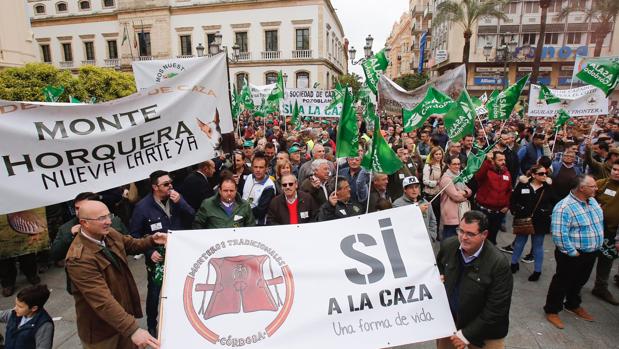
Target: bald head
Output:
[(95, 219)]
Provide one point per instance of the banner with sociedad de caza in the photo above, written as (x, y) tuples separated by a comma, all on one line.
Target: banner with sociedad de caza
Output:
[(52, 152), (368, 281), (578, 101), (312, 102), (149, 73)]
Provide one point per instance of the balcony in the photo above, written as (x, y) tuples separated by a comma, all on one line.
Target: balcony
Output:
[(427, 12), (244, 56), (271, 54), (66, 64), (145, 58), (89, 62), (184, 56), (112, 62), (301, 54)]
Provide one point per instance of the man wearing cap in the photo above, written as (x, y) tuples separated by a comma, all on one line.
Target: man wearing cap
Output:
[(292, 206), (294, 153), (248, 151), (412, 196)]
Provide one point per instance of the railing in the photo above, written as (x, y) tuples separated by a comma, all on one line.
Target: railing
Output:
[(89, 62), (184, 56), (111, 62), (301, 54), (244, 56), (270, 54), (66, 64), (427, 12), (145, 58)]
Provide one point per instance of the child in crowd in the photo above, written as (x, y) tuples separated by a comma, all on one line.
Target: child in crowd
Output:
[(29, 326)]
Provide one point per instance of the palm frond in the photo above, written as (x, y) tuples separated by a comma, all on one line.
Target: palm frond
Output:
[(448, 11)]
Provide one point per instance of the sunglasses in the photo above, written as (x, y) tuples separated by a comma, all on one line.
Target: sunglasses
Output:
[(166, 184), (285, 185), (541, 173)]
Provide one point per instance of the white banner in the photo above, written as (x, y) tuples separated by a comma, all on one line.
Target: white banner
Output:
[(368, 281), (52, 152), (579, 101), (260, 93), (149, 73), (312, 102)]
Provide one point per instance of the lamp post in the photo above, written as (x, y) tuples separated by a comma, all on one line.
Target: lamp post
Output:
[(505, 54), (367, 51), (200, 50)]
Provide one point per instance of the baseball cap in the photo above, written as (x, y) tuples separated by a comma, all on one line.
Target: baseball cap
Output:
[(293, 149), (248, 144), (409, 180)]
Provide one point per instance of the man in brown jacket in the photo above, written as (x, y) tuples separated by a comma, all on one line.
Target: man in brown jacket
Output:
[(292, 206), (107, 302)]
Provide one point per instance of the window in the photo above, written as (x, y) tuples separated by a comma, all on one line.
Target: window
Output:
[(270, 78), (61, 7), (551, 39), (240, 81), (302, 80), (573, 38), (579, 4), (511, 7), (529, 39), (328, 47), (186, 45), (112, 49), (531, 7), (144, 42), (241, 40), (39, 9), (108, 3), (67, 54), (303, 39), (555, 6), (89, 49), (270, 40), (46, 54), (85, 5)]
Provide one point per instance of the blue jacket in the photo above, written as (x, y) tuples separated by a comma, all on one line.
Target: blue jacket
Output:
[(24, 337)]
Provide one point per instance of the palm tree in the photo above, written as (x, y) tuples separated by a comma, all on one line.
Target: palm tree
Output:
[(466, 13), (544, 4), (603, 13)]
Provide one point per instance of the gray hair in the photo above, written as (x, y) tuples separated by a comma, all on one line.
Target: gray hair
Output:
[(319, 162)]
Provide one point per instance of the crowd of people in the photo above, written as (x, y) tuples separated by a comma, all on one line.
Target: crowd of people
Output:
[(559, 182)]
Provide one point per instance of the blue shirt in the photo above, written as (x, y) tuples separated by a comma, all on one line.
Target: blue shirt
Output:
[(577, 225), (149, 217)]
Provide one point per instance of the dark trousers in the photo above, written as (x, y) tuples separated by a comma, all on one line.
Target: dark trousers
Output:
[(152, 303), (8, 269), (495, 219), (571, 275), (449, 231)]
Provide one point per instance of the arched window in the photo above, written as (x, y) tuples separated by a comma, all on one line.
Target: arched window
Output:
[(108, 3), (61, 7), (240, 80), (270, 78), (84, 5), (302, 79), (39, 9)]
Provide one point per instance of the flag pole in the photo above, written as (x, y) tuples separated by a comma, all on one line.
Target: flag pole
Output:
[(552, 151), (367, 206), (442, 190), (593, 126), (483, 129)]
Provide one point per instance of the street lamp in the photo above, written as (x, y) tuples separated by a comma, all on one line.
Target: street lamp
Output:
[(285, 79), (200, 50), (367, 51), (505, 54)]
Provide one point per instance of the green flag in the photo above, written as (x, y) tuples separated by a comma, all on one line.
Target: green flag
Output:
[(435, 102), (265, 108), (347, 143), (245, 99), (562, 117), (295, 121), (337, 98), (277, 94), (52, 94), (460, 119), (235, 103), (74, 100), (546, 95), (473, 163), (369, 113), (603, 74), (380, 158), (371, 68), (364, 95), (500, 107)]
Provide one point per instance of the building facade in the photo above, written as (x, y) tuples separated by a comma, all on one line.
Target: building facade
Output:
[(303, 38), (405, 39), (564, 39), (16, 44)]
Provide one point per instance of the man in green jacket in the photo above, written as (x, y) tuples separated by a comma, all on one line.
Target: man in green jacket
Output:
[(68, 230), (224, 210), (479, 286)]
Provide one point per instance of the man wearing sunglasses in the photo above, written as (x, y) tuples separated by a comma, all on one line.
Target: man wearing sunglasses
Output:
[(162, 210), (292, 206), (478, 284)]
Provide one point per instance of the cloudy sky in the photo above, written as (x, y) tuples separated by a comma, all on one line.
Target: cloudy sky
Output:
[(362, 17)]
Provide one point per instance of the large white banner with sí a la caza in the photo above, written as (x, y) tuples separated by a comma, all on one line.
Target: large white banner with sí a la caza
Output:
[(52, 152), (368, 281)]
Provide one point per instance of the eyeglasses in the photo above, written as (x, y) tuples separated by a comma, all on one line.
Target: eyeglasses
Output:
[(541, 173), (102, 218), (285, 185), (468, 234), (166, 184)]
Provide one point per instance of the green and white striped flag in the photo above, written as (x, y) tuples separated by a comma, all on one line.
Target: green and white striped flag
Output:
[(460, 119), (435, 102), (603, 74), (372, 68)]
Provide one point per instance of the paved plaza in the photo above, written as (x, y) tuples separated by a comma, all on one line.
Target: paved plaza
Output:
[(528, 328)]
